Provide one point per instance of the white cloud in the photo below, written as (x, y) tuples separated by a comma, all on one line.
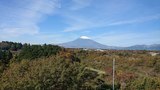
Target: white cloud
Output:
[(137, 20), (77, 23), (79, 4), (16, 31), (103, 13), (128, 38), (21, 17)]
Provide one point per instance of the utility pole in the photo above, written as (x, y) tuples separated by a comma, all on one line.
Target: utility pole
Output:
[(113, 71)]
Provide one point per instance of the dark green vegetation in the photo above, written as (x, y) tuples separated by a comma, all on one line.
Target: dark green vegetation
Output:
[(5, 45), (37, 51), (49, 67)]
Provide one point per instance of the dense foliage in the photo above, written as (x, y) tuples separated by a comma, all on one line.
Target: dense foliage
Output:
[(52, 73), (144, 83), (25, 51), (36, 51), (49, 67), (5, 56), (5, 45)]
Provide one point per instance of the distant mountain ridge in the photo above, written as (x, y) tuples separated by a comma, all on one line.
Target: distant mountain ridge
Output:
[(144, 47), (85, 42)]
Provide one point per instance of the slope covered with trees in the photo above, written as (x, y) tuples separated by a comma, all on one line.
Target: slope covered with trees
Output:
[(50, 67)]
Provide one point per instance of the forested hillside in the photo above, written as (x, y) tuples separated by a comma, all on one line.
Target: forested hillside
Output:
[(50, 67)]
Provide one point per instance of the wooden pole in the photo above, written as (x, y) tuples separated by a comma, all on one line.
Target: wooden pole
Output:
[(113, 71)]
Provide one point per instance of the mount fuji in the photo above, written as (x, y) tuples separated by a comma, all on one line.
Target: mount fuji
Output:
[(85, 42)]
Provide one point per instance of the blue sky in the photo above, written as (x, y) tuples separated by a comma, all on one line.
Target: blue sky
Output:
[(110, 22)]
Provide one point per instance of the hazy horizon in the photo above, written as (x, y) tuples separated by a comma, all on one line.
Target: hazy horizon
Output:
[(109, 22)]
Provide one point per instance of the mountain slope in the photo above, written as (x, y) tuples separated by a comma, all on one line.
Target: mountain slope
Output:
[(83, 43)]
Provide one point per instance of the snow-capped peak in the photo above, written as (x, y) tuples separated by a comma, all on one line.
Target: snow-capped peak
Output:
[(84, 37)]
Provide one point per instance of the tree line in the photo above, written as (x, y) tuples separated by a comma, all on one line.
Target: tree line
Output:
[(13, 46), (37, 51), (25, 51)]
